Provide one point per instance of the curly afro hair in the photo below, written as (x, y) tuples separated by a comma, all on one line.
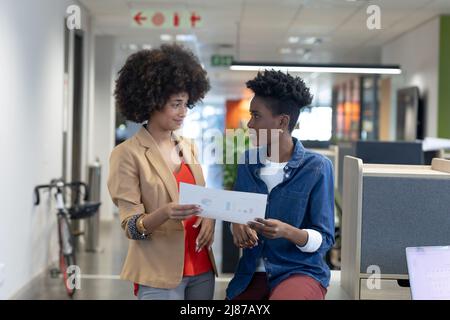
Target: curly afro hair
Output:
[(150, 77), (283, 93)]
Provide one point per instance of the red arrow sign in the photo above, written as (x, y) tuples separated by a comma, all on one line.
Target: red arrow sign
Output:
[(194, 19), (176, 19), (164, 19), (139, 18)]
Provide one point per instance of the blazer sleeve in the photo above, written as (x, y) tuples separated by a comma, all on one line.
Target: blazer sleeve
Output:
[(123, 186)]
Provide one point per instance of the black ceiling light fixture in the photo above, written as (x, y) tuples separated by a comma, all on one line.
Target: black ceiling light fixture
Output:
[(317, 67)]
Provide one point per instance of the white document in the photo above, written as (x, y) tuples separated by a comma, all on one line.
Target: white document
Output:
[(232, 206)]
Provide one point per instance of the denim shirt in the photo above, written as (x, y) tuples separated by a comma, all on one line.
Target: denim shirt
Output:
[(305, 199)]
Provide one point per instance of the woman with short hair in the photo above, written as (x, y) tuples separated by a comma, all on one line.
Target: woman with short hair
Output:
[(283, 256)]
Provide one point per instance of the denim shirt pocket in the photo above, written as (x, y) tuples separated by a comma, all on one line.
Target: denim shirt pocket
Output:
[(291, 207)]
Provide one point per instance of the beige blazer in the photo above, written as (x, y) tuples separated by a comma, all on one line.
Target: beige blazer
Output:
[(139, 182)]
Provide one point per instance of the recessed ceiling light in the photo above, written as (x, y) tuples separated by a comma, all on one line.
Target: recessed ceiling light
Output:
[(185, 37), (132, 47), (146, 47), (293, 39), (320, 68), (166, 37), (312, 40), (285, 50)]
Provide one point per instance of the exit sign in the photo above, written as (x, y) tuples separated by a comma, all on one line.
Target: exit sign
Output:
[(221, 60), (166, 19)]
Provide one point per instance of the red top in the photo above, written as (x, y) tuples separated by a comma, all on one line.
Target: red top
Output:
[(195, 263)]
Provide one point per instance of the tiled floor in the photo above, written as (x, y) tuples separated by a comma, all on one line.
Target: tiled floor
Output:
[(100, 272)]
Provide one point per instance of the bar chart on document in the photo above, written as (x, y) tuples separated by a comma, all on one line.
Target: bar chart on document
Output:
[(232, 206)]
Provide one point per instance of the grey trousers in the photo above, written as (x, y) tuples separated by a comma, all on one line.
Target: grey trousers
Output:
[(200, 287)]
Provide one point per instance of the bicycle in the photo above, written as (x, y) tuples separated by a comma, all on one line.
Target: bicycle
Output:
[(66, 237)]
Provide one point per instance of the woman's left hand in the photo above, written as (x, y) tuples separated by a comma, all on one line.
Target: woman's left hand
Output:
[(206, 234), (269, 228)]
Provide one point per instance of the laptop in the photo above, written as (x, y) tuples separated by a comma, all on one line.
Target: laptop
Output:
[(429, 272)]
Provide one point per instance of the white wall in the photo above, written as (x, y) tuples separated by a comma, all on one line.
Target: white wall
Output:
[(103, 121), (417, 52), (31, 91)]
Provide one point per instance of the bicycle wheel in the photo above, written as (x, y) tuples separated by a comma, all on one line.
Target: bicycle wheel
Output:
[(66, 254)]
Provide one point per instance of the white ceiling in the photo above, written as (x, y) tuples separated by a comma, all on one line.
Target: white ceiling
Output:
[(256, 30)]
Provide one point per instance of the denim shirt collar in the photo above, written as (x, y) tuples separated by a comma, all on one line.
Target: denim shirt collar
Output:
[(295, 161)]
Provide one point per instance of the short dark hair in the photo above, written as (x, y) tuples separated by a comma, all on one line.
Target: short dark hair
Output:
[(150, 77), (283, 93)]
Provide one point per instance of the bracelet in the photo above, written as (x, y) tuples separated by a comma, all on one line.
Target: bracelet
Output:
[(141, 226), (133, 231)]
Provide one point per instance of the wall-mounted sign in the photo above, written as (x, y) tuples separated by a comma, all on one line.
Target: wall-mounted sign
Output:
[(166, 19), (218, 60)]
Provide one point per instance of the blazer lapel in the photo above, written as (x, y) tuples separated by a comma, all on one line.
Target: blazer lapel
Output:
[(155, 158)]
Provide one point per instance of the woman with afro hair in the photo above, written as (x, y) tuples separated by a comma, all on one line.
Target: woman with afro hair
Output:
[(169, 255), (283, 254)]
